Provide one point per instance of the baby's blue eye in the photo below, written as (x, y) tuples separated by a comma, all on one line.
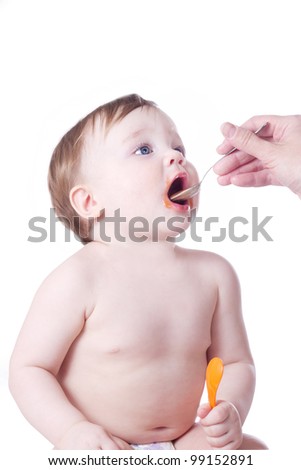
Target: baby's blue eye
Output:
[(143, 150), (181, 150)]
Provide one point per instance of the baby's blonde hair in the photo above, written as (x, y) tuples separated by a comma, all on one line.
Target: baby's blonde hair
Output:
[(66, 159)]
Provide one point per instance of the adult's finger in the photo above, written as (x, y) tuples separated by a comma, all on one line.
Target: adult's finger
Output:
[(232, 162), (256, 179), (274, 123), (247, 141)]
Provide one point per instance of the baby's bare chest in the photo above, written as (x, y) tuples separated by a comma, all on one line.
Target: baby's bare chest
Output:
[(150, 316)]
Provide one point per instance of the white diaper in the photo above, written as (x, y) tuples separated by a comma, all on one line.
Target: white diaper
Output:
[(168, 445)]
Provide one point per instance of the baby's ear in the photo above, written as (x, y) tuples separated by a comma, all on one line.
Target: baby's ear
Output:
[(83, 202)]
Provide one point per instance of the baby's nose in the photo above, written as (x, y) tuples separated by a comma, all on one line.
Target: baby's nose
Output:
[(174, 157)]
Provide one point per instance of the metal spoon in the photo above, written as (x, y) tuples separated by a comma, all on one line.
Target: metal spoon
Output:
[(214, 373), (193, 190)]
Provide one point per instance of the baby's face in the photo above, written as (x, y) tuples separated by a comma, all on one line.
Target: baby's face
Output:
[(137, 165)]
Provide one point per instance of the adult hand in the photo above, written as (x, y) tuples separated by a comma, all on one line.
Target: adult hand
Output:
[(272, 157)]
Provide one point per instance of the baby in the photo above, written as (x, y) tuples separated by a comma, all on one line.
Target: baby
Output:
[(113, 352)]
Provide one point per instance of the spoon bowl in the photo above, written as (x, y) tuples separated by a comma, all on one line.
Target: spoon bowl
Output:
[(214, 373)]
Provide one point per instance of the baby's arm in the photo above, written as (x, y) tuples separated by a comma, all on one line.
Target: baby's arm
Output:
[(229, 342), (56, 317)]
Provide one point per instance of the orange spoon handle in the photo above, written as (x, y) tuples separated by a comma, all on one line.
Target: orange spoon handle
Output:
[(214, 373)]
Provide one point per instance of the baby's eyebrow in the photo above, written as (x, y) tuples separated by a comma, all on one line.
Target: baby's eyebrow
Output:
[(135, 134)]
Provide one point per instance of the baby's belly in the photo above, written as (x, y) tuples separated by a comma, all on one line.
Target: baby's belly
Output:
[(139, 403)]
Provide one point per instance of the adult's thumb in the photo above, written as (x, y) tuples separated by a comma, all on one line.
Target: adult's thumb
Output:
[(246, 140)]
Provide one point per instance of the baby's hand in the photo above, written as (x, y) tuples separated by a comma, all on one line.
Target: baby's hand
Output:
[(85, 435), (222, 425)]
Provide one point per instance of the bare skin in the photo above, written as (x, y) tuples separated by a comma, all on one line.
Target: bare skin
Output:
[(133, 318), (116, 343)]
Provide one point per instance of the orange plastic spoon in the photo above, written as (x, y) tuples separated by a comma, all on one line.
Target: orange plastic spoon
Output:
[(214, 373)]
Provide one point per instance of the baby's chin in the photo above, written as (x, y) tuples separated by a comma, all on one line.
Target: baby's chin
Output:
[(174, 229)]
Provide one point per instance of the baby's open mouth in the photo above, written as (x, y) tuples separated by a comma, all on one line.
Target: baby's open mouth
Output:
[(177, 185)]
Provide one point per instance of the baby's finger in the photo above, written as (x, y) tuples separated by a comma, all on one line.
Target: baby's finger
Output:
[(122, 445), (107, 443), (203, 410), (219, 442), (216, 430), (217, 415), (216, 444)]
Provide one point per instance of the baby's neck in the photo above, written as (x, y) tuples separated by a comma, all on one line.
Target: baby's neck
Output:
[(143, 250)]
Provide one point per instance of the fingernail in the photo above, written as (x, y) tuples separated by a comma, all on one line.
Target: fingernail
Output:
[(228, 130)]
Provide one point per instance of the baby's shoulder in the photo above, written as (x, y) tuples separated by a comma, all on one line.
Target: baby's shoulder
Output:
[(208, 262), (75, 270), (201, 256)]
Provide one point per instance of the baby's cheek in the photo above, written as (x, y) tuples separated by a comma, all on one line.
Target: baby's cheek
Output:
[(192, 172)]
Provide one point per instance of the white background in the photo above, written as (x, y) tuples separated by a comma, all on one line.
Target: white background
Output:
[(203, 63)]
